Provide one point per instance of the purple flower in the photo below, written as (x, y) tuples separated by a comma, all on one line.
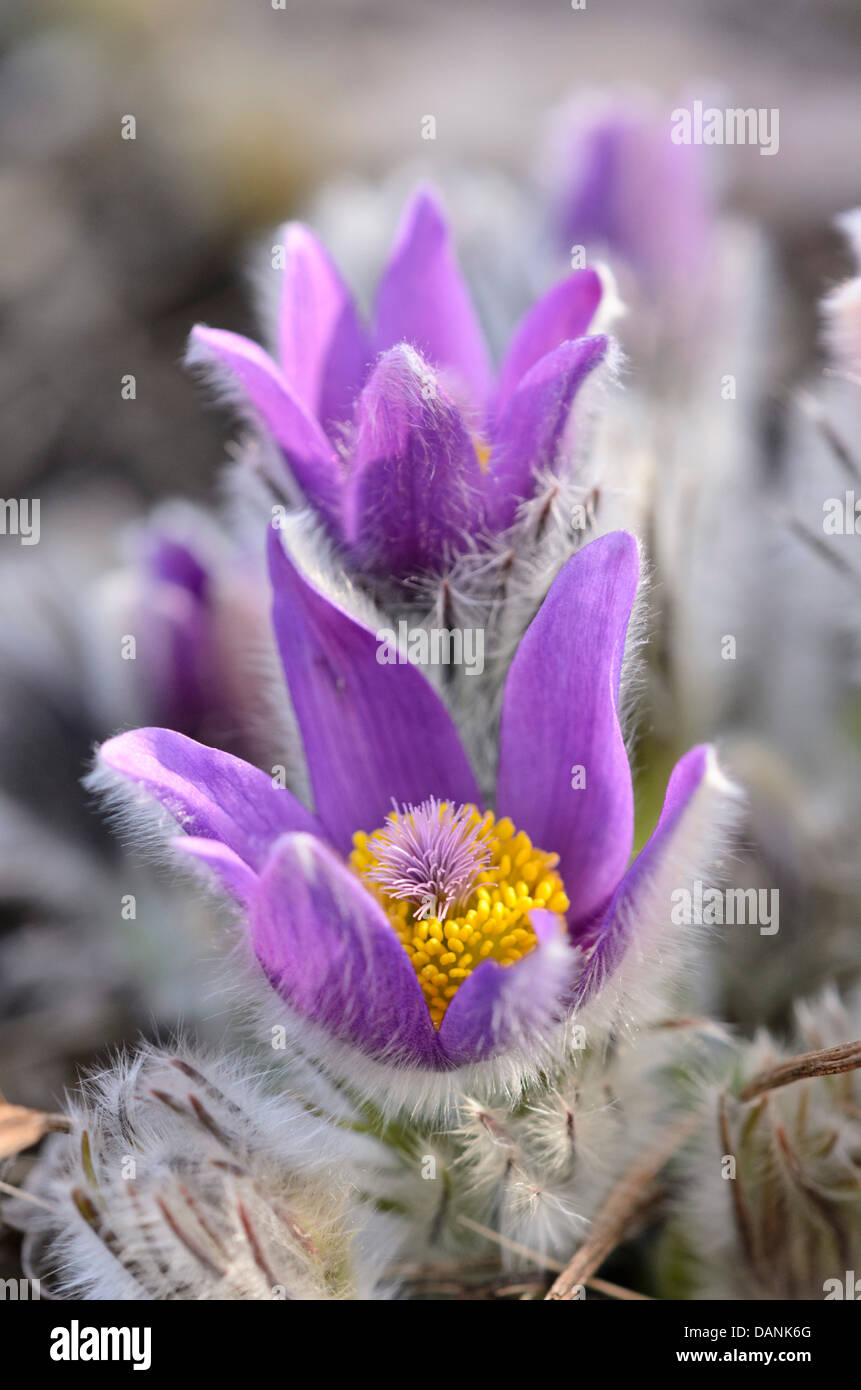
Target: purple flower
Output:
[(192, 604), (397, 432), (622, 185), (401, 917), (178, 616), (162, 599)]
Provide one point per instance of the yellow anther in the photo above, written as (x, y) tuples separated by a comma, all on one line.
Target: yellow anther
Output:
[(492, 924), (482, 453)]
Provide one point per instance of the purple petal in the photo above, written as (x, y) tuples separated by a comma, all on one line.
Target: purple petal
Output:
[(234, 874), (176, 625), (559, 715), (564, 313), (329, 950), (629, 189), (532, 427), (593, 195), (309, 453), (172, 561), (322, 348), (659, 856), (372, 732), (176, 631), (503, 1006), (423, 300), (416, 489), (211, 795)]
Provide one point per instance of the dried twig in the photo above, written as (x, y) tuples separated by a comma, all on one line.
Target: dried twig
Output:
[(599, 1285), (616, 1291), (828, 1061), (24, 1196), (514, 1246), (634, 1194), (20, 1128)]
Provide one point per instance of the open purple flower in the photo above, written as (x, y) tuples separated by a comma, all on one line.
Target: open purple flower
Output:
[(397, 432), (401, 917)]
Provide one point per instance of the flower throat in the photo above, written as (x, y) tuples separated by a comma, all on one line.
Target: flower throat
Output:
[(457, 886)]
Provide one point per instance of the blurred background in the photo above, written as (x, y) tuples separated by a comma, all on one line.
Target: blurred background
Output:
[(113, 248)]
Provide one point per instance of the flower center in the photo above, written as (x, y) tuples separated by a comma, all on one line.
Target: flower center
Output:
[(458, 887), (482, 452)]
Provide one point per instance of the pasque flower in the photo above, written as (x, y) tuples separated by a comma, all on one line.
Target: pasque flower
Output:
[(177, 611), (402, 917), (620, 183), (398, 433)]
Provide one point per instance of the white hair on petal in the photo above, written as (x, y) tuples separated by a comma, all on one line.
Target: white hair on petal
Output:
[(660, 955)]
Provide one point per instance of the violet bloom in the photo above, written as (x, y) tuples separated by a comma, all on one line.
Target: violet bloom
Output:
[(402, 918), (398, 433), (623, 187), (163, 597), (178, 621)]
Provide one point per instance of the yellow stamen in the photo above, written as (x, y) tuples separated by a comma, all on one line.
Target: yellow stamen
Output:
[(493, 922), (482, 453)]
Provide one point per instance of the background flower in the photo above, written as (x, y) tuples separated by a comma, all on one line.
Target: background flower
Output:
[(437, 452)]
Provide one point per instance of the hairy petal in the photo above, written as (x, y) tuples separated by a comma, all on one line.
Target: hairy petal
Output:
[(564, 313), (559, 714), (423, 300), (232, 872), (322, 348), (416, 491), (211, 795), (680, 841), (262, 387), (329, 950), (511, 1006), (372, 732), (532, 426)]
